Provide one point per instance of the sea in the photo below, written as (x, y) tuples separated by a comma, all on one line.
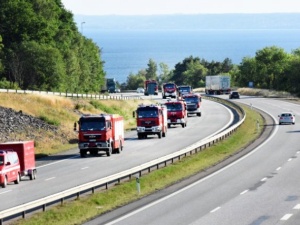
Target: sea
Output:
[(126, 52)]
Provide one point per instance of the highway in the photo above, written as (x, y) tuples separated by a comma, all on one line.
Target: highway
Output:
[(58, 175), (261, 188)]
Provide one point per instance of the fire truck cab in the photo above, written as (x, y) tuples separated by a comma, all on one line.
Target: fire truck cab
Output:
[(151, 120), (177, 112), (102, 132), (169, 90)]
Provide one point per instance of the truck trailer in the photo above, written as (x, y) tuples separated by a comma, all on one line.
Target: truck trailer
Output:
[(17, 160), (218, 84), (100, 132)]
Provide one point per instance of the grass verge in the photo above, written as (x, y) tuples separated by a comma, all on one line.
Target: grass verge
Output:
[(81, 210)]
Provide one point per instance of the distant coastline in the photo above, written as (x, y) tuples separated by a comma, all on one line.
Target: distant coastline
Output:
[(191, 22)]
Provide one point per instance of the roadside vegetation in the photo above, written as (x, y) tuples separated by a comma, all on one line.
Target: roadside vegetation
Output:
[(62, 113), (85, 208)]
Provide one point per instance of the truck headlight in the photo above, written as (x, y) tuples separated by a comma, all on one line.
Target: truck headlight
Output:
[(140, 129), (156, 129)]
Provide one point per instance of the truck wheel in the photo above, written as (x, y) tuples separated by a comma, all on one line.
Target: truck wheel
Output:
[(164, 134), (139, 136), (4, 182), (159, 135), (108, 152), (183, 125), (34, 174), (118, 150), (17, 181), (169, 125), (199, 114), (82, 153)]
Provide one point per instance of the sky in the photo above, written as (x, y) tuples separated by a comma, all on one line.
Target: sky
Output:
[(160, 7)]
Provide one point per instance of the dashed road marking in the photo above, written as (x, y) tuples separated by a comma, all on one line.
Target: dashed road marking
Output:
[(264, 179), (4, 192), (83, 168), (286, 217), (290, 159), (244, 192), (51, 178), (297, 206), (216, 209), (279, 168)]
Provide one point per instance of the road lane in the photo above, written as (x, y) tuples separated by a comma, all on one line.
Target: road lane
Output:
[(260, 188)]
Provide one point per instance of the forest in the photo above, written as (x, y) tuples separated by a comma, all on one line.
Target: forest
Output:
[(42, 49)]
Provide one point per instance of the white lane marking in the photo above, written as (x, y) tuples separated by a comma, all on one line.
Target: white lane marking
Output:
[(286, 217), (59, 161), (290, 159), (216, 209), (4, 192), (244, 192), (264, 179), (279, 168), (200, 181), (84, 168), (298, 152), (51, 178), (297, 206)]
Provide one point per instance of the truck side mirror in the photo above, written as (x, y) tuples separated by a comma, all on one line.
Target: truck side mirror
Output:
[(133, 114), (8, 164), (75, 126)]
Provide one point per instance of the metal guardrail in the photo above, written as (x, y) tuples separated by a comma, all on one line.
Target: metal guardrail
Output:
[(108, 181), (72, 95)]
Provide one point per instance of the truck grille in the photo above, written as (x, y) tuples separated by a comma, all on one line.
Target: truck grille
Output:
[(148, 123), (92, 136)]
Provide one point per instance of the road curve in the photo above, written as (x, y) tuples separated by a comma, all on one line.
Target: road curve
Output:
[(56, 175), (262, 187)]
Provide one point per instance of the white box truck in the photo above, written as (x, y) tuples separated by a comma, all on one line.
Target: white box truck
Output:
[(217, 84)]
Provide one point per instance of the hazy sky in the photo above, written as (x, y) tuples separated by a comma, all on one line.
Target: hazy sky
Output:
[(151, 7)]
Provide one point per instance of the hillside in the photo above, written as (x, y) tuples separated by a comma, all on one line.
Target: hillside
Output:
[(49, 120)]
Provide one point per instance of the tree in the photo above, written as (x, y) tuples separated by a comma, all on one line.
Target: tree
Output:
[(151, 70), (271, 63), (135, 81), (195, 74), (246, 72), (178, 75)]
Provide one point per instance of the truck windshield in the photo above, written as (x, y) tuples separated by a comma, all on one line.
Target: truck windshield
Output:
[(191, 99), (147, 113), (174, 107), (1, 160), (169, 86), (185, 89), (92, 124)]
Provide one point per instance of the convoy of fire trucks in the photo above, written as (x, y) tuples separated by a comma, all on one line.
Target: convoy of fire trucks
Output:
[(105, 132)]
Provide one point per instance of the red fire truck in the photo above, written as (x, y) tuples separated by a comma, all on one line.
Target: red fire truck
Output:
[(169, 90), (150, 87), (151, 120), (17, 160), (101, 132), (177, 113)]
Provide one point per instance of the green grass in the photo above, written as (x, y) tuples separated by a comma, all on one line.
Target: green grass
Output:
[(81, 210)]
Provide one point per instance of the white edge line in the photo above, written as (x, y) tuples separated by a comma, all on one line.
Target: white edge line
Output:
[(200, 181)]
